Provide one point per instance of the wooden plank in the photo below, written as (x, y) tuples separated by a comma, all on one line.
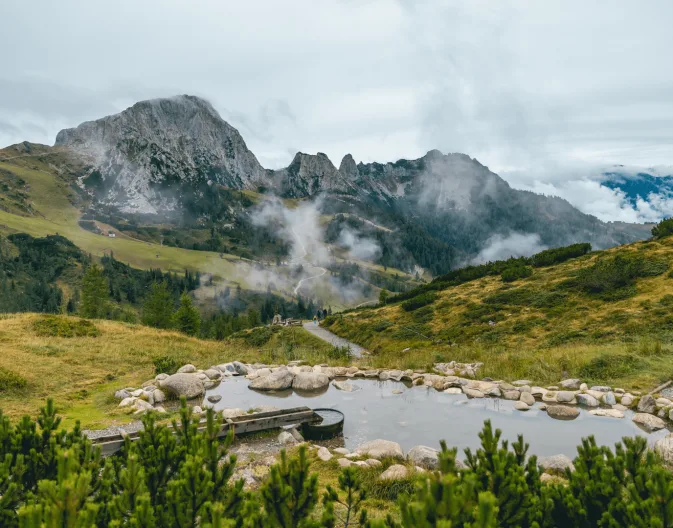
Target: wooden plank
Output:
[(660, 387), (240, 424)]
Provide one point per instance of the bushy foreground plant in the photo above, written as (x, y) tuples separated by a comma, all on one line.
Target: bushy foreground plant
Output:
[(53, 478)]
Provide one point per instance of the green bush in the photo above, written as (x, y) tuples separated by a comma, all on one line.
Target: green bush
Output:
[(558, 255), (613, 278), (166, 365), (10, 381), (54, 326), (516, 273), (258, 337), (663, 228), (607, 367), (419, 301), (184, 478)]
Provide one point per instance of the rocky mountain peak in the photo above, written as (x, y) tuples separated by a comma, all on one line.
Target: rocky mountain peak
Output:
[(348, 168), (174, 141)]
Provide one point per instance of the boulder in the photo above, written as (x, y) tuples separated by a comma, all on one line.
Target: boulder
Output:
[(527, 398), (612, 413), (142, 404), (549, 396), (341, 450), (648, 422), (260, 373), (197, 410), (627, 400), (521, 406), (380, 449), (394, 472), (423, 456), (572, 383), (473, 393), (601, 388), (240, 368), (136, 393), (214, 398), (562, 412), (344, 462), (285, 438), (372, 462), (664, 447), (279, 380), (511, 395), (187, 369), (587, 400), (647, 404), (160, 377), (345, 386), (310, 381), (494, 392), (609, 398), (565, 397), (596, 394), (324, 454), (664, 402), (538, 392), (232, 413), (213, 374), (556, 464), (183, 384), (159, 396), (122, 394), (453, 390), (583, 386), (127, 402)]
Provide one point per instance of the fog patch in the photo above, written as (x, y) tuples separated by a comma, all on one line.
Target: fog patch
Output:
[(501, 247)]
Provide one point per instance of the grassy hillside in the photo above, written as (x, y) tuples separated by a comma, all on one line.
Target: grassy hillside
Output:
[(604, 316), (82, 371), (50, 206)]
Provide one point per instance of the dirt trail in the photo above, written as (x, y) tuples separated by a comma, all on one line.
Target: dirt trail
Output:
[(334, 339)]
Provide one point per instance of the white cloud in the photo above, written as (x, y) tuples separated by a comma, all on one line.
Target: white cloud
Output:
[(501, 247), (516, 84)]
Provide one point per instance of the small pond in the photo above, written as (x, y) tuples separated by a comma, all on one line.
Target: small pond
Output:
[(422, 415)]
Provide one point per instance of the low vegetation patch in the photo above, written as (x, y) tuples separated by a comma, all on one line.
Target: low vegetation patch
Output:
[(10, 381), (65, 327), (419, 301)]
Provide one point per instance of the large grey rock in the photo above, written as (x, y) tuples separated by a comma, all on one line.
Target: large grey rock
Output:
[(527, 398), (380, 449), (122, 394), (232, 413), (648, 422), (601, 388), (159, 396), (587, 400), (511, 395), (556, 464), (562, 412), (423, 456), (214, 398), (565, 396), (627, 400), (473, 393), (279, 380), (394, 472), (160, 377), (310, 381), (609, 398), (572, 383), (183, 384), (345, 386), (612, 413), (213, 374), (324, 454), (521, 406), (285, 438), (647, 404), (664, 447), (187, 369), (241, 369)]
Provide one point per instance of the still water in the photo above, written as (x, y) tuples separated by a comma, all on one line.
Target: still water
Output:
[(422, 415)]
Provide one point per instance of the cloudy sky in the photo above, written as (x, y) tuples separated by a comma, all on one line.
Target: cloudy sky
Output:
[(544, 93)]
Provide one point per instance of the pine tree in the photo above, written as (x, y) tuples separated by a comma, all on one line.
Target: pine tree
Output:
[(383, 296), (158, 307), (94, 303), (351, 484), (187, 317)]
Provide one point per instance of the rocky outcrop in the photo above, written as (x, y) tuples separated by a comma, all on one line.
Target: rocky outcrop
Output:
[(562, 412), (648, 422), (394, 472), (556, 464)]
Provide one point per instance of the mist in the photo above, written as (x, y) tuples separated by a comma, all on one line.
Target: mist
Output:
[(501, 247)]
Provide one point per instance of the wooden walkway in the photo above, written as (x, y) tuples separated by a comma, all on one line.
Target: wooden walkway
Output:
[(248, 423)]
